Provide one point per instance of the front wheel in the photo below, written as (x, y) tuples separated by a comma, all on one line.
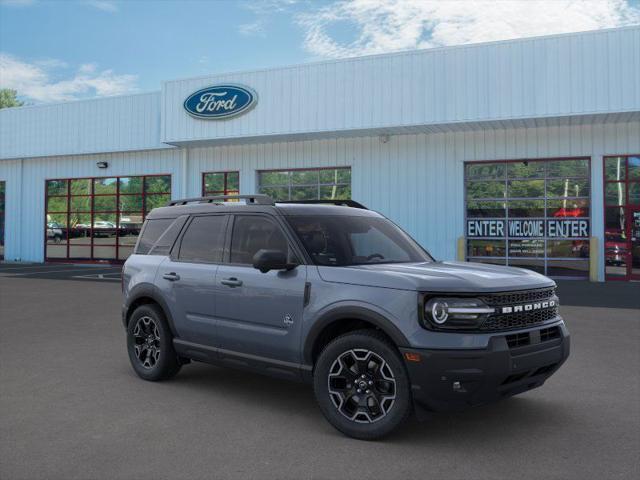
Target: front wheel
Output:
[(150, 344), (362, 386)]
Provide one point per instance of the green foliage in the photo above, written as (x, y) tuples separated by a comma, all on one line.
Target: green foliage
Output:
[(8, 98)]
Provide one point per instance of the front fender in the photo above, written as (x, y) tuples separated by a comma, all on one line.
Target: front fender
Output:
[(352, 311)]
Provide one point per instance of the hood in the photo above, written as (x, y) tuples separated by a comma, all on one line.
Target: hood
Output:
[(437, 277)]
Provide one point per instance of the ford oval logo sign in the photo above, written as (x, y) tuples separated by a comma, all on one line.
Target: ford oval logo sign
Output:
[(220, 101)]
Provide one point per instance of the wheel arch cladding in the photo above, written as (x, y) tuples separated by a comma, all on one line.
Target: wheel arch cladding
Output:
[(346, 319), (146, 296)]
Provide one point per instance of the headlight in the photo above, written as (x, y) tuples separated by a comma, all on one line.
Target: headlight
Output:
[(452, 312)]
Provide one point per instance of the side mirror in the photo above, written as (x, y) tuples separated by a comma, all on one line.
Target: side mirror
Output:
[(265, 260)]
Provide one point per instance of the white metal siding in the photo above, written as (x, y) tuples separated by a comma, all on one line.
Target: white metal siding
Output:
[(547, 77), (25, 200), (416, 180), (90, 126)]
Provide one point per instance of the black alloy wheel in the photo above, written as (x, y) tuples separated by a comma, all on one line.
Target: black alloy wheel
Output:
[(362, 386), (150, 344)]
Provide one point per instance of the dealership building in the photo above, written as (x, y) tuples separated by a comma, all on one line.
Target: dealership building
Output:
[(522, 152)]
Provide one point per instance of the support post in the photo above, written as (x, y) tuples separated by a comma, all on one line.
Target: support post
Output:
[(594, 259), (460, 254)]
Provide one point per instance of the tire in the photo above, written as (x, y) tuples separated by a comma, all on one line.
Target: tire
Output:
[(150, 344), (385, 403)]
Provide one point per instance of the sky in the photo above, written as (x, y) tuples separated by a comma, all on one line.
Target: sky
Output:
[(59, 50)]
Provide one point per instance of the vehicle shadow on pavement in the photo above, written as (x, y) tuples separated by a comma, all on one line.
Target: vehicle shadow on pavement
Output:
[(517, 418)]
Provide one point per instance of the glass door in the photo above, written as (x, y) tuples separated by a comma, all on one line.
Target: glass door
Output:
[(622, 217), (634, 240)]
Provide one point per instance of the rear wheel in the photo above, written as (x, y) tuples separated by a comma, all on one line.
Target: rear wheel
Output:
[(362, 386), (150, 344)]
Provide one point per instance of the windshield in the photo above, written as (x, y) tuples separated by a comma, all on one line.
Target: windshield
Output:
[(343, 241)]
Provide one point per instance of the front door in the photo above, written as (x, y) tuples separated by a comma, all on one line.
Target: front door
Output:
[(259, 315)]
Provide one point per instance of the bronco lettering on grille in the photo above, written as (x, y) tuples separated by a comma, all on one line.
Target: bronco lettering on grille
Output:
[(529, 307)]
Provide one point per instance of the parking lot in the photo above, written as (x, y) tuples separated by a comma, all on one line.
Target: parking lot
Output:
[(72, 408)]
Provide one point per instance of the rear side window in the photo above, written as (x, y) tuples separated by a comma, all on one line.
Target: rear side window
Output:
[(204, 239), (168, 238), (152, 231)]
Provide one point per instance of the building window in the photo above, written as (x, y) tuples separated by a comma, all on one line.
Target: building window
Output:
[(99, 218), (533, 214), (622, 217), (2, 210), (312, 184), (220, 183)]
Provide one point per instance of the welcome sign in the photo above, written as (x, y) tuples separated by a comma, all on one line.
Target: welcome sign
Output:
[(529, 228), (219, 102)]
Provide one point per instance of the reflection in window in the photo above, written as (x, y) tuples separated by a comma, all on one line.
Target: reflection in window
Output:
[(477, 209), (615, 168), (524, 193), (100, 218), (525, 188), (220, 183), (253, 233), (633, 168), (526, 208), (2, 210), (614, 193), (486, 248), (312, 184)]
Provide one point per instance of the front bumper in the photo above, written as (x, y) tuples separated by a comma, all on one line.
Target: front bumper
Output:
[(513, 362)]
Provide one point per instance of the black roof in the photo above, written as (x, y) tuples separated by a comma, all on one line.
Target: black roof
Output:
[(259, 204)]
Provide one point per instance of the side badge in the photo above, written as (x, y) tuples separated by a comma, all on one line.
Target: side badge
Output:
[(288, 320)]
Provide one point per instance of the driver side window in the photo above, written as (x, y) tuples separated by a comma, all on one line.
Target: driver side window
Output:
[(252, 233)]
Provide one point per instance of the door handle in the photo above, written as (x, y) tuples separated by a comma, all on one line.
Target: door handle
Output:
[(172, 277), (231, 282)]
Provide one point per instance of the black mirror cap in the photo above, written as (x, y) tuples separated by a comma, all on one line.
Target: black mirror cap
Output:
[(265, 260)]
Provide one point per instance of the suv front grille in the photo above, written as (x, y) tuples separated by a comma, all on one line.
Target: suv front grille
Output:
[(507, 321), (515, 298)]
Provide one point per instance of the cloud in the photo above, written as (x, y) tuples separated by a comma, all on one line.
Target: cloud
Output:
[(104, 5), (389, 25), (252, 29), (269, 6), (36, 81), (264, 11)]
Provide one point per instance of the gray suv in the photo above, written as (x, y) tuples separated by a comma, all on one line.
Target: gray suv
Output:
[(339, 296)]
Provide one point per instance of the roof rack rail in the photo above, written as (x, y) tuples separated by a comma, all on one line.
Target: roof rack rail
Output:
[(341, 203), (249, 200)]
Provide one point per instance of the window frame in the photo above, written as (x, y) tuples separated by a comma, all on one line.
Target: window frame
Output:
[(506, 178), (91, 212), (214, 193), (289, 185)]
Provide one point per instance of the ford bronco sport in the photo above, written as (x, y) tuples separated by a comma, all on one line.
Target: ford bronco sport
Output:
[(339, 296)]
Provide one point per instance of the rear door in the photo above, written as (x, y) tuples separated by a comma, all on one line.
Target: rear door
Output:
[(259, 314), (187, 278)]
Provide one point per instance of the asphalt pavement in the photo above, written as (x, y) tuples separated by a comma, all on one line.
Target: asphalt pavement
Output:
[(72, 408)]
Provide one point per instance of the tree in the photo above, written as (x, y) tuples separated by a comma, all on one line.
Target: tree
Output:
[(8, 98)]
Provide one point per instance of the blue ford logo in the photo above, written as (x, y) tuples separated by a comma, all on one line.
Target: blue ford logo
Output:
[(220, 101)]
